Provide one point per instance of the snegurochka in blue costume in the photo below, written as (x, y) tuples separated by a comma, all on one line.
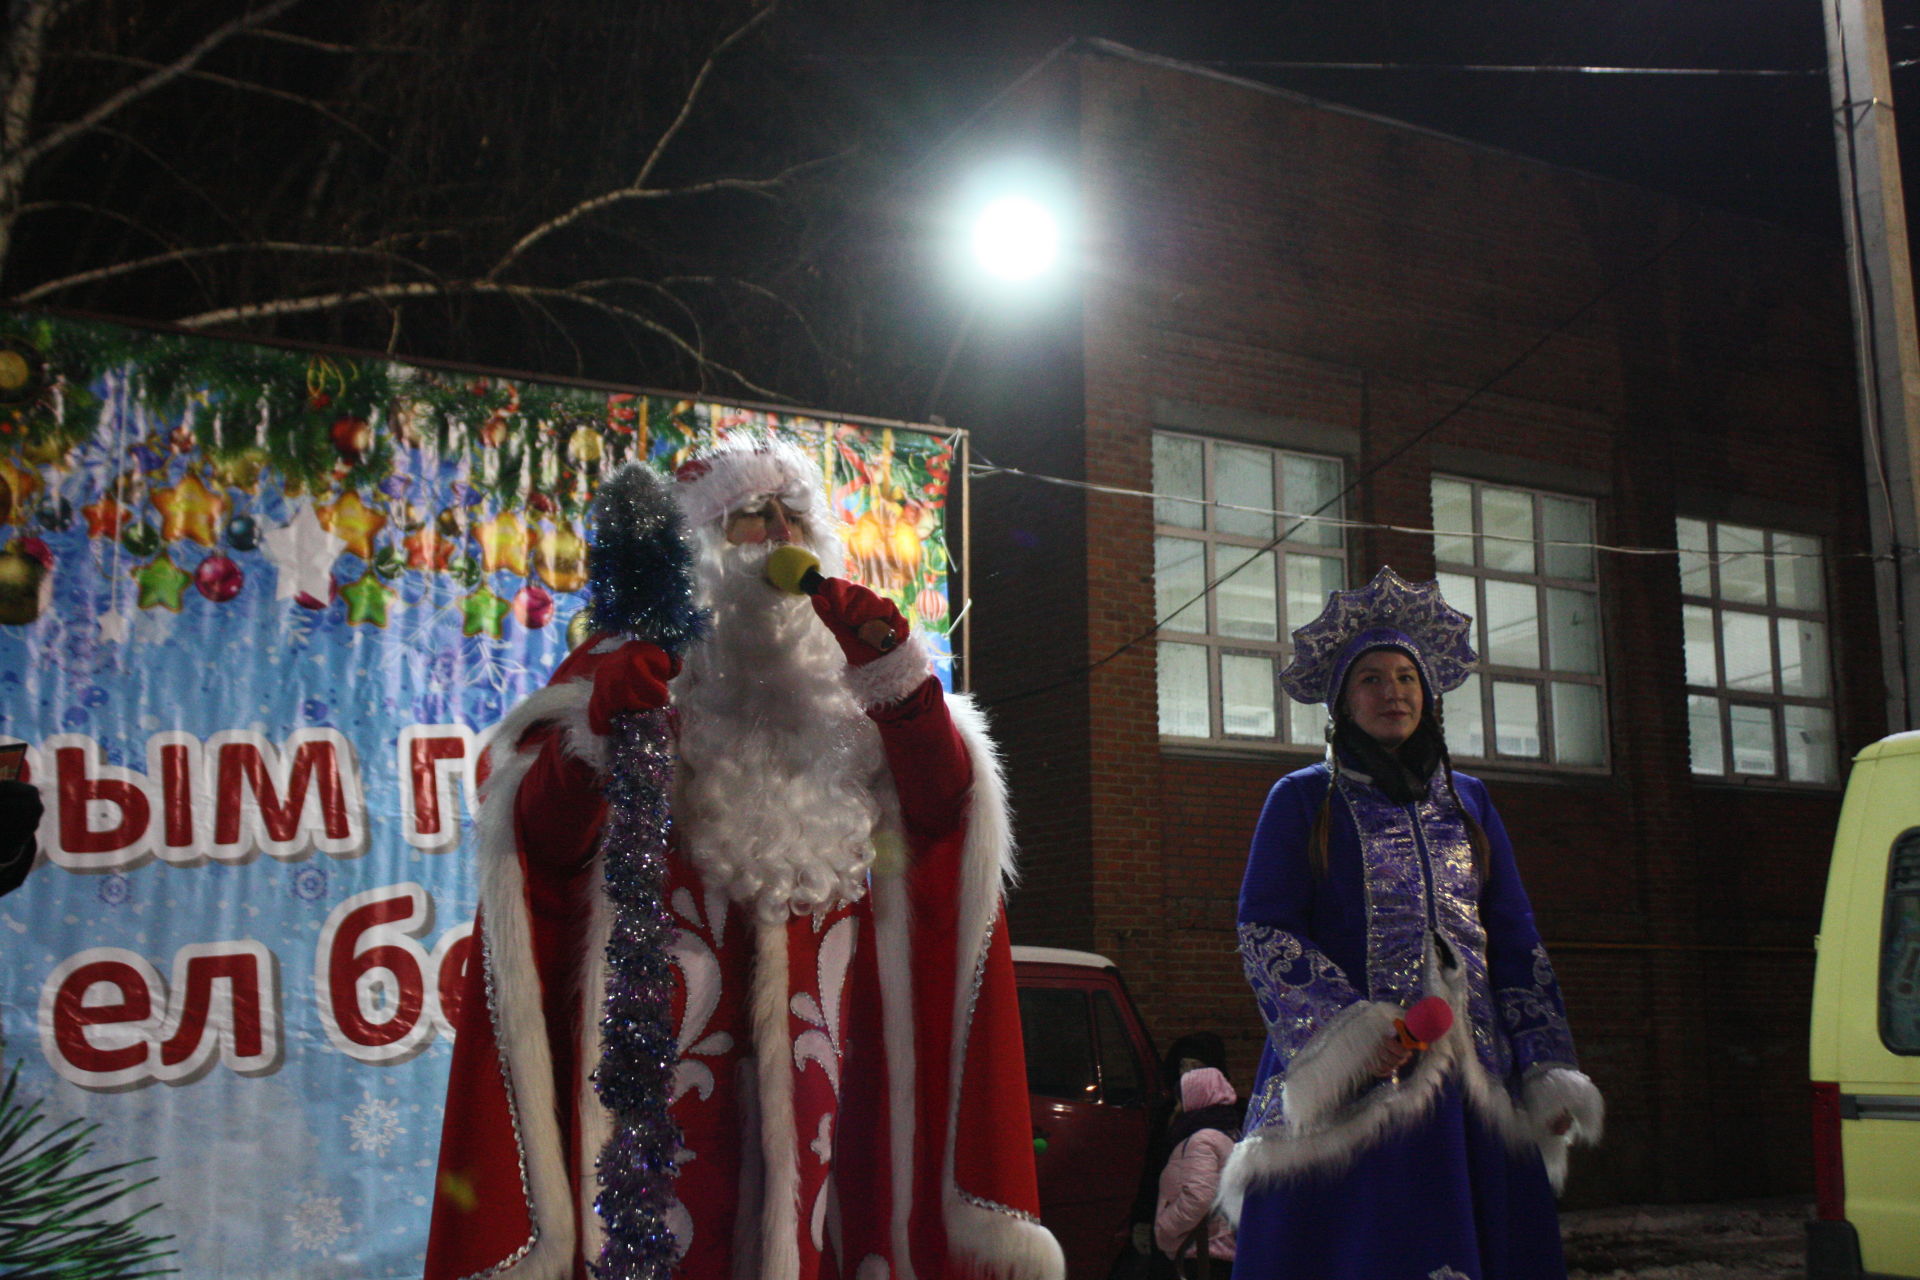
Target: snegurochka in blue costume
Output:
[(1376, 880)]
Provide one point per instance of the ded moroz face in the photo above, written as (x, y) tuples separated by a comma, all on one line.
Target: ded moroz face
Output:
[(765, 519), (1384, 696)]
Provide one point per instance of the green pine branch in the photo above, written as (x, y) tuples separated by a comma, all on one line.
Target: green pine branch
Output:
[(48, 1202)]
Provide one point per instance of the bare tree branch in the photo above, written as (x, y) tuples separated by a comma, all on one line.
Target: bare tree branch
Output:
[(111, 215), (327, 46), (693, 92), (178, 256), (100, 211), (763, 187), (539, 308), (248, 86), (29, 22), (794, 313), (18, 160), (385, 224), (424, 289), (166, 166), (638, 189), (649, 286), (26, 54)]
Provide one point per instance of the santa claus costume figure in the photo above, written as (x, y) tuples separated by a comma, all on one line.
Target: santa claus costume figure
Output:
[(835, 1086)]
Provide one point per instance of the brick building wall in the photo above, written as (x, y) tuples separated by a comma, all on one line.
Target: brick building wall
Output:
[(1297, 274)]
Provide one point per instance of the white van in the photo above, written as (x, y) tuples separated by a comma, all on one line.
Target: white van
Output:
[(1866, 1028)]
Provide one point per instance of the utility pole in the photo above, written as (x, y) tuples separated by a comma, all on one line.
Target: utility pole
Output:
[(1888, 351)]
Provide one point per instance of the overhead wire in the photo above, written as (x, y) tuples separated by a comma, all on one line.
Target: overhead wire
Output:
[(1366, 474), (1275, 64), (1303, 64), (985, 471)]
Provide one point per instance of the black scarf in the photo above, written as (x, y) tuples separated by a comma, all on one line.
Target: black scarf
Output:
[(1402, 774)]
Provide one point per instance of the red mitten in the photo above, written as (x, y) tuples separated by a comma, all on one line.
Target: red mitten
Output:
[(631, 678), (865, 624)]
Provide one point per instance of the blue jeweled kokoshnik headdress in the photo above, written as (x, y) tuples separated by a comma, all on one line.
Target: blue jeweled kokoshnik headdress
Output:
[(1388, 612)]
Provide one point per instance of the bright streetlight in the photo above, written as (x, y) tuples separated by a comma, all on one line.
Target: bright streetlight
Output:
[(1016, 238)]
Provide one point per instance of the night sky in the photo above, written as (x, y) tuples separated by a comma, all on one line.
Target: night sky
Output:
[(1758, 145)]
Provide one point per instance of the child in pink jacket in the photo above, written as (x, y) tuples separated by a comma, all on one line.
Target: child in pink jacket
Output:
[(1202, 1134)]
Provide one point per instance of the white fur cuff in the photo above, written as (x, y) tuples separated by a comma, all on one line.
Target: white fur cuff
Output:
[(1548, 1094), (1336, 1063), (1564, 1089), (892, 676)]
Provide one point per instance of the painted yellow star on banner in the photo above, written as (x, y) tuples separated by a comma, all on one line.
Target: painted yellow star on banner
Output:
[(161, 584), (353, 522), (22, 485), (189, 510), (483, 611), (503, 542), (367, 598)]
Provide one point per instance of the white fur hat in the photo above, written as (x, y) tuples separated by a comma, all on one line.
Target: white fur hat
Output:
[(722, 476)]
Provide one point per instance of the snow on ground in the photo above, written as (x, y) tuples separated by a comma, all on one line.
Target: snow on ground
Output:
[(1755, 1240)]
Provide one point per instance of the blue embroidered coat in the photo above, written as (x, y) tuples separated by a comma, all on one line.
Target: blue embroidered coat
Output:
[(1398, 915)]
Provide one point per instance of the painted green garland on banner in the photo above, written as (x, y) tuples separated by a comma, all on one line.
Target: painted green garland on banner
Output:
[(348, 432)]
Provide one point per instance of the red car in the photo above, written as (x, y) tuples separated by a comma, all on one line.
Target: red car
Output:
[(1094, 1085)]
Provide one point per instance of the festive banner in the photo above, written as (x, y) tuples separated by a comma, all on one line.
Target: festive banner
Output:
[(258, 609)]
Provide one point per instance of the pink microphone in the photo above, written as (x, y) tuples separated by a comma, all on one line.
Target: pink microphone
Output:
[(1427, 1021)]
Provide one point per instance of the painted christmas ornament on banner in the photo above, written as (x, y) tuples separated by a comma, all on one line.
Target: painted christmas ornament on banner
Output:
[(23, 582), (352, 437), (218, 578), (560, 557), (585, 446), (533, 606), (140, 539), (579, 627), (242, 533)]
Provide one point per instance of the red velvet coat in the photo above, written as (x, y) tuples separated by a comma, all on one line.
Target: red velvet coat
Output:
[(851, 1089)]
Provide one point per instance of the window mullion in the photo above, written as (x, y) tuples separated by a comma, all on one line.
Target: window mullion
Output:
[(1244, 604), (1216, 705)]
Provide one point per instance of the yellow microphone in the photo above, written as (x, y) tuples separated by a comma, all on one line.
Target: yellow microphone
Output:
[(795, 570)]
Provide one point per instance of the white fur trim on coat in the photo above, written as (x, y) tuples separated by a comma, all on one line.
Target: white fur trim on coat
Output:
[(984, 1239), (1544, 1097), (891, 676), (891, 908), (1337, 1063), (519, 1023), (773, 1059), (1320, 1133)]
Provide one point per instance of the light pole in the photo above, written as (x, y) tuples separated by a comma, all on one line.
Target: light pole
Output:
[(1881, 274)]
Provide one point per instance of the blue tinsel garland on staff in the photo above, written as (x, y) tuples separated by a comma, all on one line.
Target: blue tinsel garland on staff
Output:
[(638, 1052), (642, 573)]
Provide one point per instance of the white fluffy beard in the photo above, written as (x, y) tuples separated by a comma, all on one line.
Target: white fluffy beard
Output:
[(781, 779)]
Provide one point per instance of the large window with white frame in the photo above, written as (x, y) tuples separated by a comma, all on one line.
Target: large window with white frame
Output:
[(1759, 686), (1522, 563), (1229, 589)]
